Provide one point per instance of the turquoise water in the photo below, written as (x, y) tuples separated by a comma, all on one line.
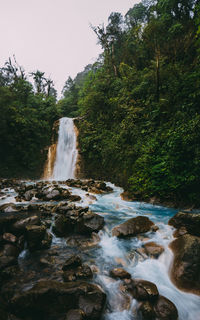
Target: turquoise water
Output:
[(114, 252)]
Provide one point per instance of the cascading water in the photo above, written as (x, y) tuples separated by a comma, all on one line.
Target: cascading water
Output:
[(114, 252), (66, 152)]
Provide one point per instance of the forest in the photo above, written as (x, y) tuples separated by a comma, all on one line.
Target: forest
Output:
[(139, 103), (27, 116), (137, 106)]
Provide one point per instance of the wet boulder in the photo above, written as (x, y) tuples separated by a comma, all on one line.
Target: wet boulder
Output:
[(79, 273), (46, 242), (75, 314), (83, 242), (8, 256), (19, 227), (9, 238), (142, 290), (90, 222), (146, 310), (78, 221), (63, 226), (37, 237), (89, 185), (165, 309), (6, 221), (29, 194), (120, 273), (74, 269), (9, 207), (72, 261), (189, 220), (161, 309), (48, 194), (52, 195), (153, 249), (9, 272), (52, 299), (133, 227), (185, 271), (74, 198)]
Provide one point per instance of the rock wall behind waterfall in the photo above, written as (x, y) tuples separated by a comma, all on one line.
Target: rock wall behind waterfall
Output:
[(51, 154)]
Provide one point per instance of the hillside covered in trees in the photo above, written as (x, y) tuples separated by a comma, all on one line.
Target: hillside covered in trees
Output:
[(27, 115), (139, 103)]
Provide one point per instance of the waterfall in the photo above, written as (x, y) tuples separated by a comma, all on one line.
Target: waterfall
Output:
[(64, 162), (66, 152)]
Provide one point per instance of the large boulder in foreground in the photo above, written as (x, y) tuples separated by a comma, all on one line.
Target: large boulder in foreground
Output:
[(189, 220), (162, 309), (142, 290), (133, 227), (185, 271), (51, 299), (152, 306)]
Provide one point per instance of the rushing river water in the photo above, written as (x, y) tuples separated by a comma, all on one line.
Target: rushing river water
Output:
[(112, 249), (112, 252)]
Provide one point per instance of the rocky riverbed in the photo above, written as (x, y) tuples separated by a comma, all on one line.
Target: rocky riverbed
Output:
[(74, 250)]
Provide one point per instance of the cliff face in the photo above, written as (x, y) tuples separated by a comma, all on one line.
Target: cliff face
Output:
[(80, 168), (51, 155)]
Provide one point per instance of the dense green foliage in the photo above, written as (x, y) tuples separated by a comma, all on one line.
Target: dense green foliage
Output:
[(25, 122), (140, 108), (68, 105)]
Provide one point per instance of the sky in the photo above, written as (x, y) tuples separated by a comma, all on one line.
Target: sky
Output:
[(54, 36)]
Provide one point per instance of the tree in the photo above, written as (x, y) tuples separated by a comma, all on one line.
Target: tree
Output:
[(39, 81)]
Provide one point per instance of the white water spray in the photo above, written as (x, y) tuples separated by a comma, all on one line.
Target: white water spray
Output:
[(66, 152)]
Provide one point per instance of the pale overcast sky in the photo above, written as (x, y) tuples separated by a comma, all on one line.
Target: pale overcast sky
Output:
[(54, 35)]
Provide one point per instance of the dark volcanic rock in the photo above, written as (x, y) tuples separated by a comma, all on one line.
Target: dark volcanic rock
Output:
[(133, 227), (75, 314), (19, 227), (79, 273), (63, 226), (162, 309), (9, 238), (9, 272), (8, 256), (89, 185), (120, 273), (73, 261), (8, 207), (189, 220), (143, 290), (185, 271), (147, 311), (165, 309), (75, 270), (77, 221), (153, 249), (37, 237), (90, 222), (50, 299), (28, 195)]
